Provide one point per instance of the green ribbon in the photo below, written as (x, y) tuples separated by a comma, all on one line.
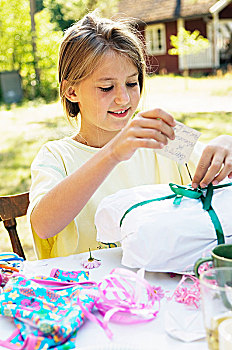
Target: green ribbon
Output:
[(181, 191)]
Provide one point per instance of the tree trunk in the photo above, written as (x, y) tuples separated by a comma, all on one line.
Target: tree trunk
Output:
[(33, 41)]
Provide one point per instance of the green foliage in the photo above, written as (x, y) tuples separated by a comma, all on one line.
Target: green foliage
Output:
[(48, 41), (39, 6), (51, 18), (16, 47), (56, 10), (65, 12), (186, 43)]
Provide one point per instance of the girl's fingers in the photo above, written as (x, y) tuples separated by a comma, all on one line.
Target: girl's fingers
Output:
[(212, 171), (215, 163), (225, 171), (159, 114), (158, 134), (201, 169), (149, 120), (150, 129), (147, 143)]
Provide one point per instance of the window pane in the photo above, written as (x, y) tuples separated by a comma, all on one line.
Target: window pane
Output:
[(155, 38)]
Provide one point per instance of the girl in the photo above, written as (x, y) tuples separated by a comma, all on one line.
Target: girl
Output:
[(101, 75)]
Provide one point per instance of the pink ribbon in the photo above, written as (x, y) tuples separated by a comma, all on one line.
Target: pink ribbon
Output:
[(118, 298), (188, 292)]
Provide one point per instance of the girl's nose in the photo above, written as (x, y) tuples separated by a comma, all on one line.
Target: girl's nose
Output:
[(122, 97)]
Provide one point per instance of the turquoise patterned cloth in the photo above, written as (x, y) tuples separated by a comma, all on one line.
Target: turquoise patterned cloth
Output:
[(45, 310)]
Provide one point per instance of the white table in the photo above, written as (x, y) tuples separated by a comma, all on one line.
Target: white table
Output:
[(150, 335)]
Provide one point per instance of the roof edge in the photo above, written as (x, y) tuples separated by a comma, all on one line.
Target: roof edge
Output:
[(173, 19), (220, 5)]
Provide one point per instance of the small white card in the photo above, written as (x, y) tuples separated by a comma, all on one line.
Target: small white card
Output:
[(181, 148)]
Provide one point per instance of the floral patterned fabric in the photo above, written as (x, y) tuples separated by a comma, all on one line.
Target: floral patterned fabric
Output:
[(46, 316)]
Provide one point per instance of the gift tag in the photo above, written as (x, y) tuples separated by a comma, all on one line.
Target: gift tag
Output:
[(181, 148)]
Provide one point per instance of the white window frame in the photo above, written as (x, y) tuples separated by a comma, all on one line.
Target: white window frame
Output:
[(156, 41)]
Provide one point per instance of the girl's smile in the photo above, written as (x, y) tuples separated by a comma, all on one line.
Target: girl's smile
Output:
[(119, 114)]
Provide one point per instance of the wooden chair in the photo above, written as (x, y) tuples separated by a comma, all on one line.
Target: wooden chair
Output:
[(12, 207)]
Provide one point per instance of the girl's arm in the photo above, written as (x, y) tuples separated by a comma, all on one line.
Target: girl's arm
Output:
[(64, 202), (59, 206)]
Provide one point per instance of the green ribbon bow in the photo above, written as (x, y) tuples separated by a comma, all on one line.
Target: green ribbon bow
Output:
[(181, 191)]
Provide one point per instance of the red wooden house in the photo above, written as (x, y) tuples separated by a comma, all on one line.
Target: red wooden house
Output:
[(159, 19)]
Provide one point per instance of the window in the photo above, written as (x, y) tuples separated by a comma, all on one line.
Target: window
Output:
[(155, 39)]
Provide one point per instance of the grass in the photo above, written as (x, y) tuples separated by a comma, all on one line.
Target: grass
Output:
[(211, 85), (209, 124), (25, 129)]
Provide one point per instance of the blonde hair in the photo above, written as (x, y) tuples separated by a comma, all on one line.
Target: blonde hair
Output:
[(85, 43)]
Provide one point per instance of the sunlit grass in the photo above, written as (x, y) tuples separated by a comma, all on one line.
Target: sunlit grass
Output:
[(25, 131), (211, 85), (209, 124)]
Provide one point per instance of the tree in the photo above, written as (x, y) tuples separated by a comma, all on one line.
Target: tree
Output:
[(187, 43), (16, 52), (15, 48), (65, 12), (48, 41), (34, 46)]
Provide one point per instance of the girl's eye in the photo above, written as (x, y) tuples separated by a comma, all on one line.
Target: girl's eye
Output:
[(132, 84), (106, 89)]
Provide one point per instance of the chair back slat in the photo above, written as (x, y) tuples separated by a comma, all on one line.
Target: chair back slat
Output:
[(12, 207)]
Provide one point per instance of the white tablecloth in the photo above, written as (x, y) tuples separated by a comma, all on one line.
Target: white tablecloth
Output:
[(150, 335)]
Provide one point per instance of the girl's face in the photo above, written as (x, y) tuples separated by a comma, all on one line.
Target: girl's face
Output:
[(108, 98)]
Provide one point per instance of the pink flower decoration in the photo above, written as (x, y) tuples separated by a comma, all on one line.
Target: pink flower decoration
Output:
[(91, 263), (159, 292)]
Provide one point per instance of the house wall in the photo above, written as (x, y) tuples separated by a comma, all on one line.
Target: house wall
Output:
[(198, 24), (171, 61), (226, 12), (170, 64), (163, 63)]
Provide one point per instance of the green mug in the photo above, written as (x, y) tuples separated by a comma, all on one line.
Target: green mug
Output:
[(221, 256)]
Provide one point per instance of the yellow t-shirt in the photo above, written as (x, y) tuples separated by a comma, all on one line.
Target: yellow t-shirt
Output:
[(58, 159)]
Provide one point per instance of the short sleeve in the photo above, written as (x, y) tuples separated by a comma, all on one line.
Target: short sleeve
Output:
[(47, 170)]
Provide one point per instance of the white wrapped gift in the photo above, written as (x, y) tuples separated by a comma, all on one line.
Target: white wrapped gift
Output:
[(160, 235)]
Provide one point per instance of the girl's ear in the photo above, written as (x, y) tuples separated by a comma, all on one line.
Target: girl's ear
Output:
[(71, 92)]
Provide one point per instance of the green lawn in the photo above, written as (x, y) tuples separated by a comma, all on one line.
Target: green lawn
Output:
[(25, 129), (209, 124)]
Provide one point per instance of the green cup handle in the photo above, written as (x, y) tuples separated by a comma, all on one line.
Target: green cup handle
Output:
[(199, 262)]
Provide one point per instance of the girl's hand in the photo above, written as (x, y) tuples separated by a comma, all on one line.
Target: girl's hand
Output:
[(215, 163), (150, 129)]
